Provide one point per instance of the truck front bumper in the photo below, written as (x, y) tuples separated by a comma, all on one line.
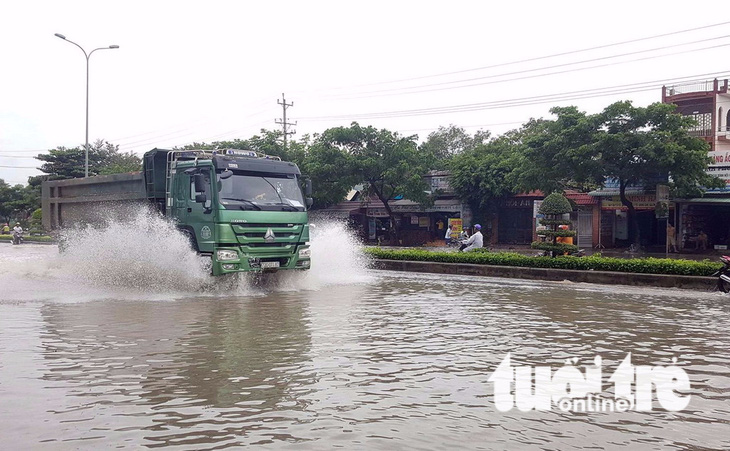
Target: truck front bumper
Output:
[(231, 260)]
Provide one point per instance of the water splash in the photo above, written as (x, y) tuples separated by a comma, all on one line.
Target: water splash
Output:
[(146, 254), (337, 259)]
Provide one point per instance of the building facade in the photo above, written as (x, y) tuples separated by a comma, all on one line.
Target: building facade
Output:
[(708, 102)]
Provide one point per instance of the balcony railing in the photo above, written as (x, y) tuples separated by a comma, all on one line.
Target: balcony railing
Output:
[(701, 132), (696, 86)]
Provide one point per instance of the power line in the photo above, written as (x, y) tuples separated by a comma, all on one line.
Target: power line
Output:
[(418, 89), (524, 101), (554, 55)]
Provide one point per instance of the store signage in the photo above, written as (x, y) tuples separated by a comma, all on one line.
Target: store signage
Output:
[(641, 202), (722, 172), (517, 203), (456, 225)]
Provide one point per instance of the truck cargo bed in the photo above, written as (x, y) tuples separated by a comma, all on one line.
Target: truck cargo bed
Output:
[(90, 200)]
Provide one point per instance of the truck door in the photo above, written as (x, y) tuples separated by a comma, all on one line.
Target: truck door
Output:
[(200, 213), (181, 194)]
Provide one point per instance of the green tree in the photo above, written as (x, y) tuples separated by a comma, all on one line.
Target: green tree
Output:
[(18, 201), (629, 145), (104, 158), (485, 173), (387, 164), (554, 207), (267, 141), (449, 142)]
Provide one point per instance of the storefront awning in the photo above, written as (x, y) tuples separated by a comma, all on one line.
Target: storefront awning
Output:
[(609, 192), (704, 200), (408, 206)]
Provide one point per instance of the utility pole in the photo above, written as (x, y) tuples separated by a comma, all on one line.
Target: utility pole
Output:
[(283, 121)]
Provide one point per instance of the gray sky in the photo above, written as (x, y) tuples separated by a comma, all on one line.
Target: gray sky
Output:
[(206, 71)]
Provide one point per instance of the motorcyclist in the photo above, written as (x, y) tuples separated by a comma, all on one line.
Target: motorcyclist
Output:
[(17, 233), (474, 241)]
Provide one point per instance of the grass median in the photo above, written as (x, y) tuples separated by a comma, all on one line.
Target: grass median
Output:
[(648, 265)]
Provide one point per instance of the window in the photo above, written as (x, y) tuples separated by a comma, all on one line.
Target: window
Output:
[(720, 120)]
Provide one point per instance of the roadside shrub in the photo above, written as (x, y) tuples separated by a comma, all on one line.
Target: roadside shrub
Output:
[(595, 263)]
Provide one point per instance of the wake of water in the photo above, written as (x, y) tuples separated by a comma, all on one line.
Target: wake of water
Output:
[(146, 254)]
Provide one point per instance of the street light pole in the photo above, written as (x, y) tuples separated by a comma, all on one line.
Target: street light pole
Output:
[(87, 55)]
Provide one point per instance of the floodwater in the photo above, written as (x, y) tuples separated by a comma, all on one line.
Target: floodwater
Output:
[(123, 343)]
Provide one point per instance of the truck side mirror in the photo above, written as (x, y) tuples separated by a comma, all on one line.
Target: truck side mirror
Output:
[(226, 174), (201, 198), (199, 181), (308, 187)]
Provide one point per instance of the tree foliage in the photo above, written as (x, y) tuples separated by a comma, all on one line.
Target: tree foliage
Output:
[(448, 142), (485, 173), (386, 164), (104, 158), (630, 145), (18, 201), (269, 142), (554, 207)]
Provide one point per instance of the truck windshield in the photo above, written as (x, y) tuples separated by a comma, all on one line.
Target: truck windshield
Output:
[(256, 191)]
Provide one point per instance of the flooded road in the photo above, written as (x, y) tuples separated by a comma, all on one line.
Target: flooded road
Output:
[(341, 357)]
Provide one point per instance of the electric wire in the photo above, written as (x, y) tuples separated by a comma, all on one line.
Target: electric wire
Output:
[(554, 55)]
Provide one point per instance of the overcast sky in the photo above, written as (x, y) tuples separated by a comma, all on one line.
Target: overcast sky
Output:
[(208, 71)]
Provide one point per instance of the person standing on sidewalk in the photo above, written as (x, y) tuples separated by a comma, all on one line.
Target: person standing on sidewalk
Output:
[(671, 238)]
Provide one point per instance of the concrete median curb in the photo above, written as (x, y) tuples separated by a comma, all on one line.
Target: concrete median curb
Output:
[(600, 277)]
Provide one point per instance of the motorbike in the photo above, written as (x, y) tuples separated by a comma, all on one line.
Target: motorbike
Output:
[(17, 237), (723, 278)]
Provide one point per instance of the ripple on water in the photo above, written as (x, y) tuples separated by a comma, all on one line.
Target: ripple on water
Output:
[(377, 360)]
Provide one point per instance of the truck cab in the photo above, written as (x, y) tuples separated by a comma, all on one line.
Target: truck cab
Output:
[(244, 209)]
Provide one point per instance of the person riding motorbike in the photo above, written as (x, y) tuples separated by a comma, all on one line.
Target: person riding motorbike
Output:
[(474, 241), (17, 234)]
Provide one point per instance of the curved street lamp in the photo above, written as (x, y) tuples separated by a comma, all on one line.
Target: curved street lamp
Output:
[(87, 55)]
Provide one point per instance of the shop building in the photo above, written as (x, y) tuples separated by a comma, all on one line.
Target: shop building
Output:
[(708, 102)]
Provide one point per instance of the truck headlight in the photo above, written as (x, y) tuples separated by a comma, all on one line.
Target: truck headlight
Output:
[(224, 255), (305, 253)]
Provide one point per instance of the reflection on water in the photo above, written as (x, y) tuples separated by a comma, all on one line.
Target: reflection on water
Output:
[(391, 361)]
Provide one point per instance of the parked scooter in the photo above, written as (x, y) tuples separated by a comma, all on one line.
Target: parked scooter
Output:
[(723, 278), (17, 237)]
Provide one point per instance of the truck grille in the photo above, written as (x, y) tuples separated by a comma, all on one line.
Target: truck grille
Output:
[(250, 237)]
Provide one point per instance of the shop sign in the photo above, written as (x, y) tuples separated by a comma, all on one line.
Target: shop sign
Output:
[(456, 225), (423, 221), (537, 215), (414, 220), (381, 213), (377, 212), (371, 229), (517, 203), (640, 201), (721, 172)]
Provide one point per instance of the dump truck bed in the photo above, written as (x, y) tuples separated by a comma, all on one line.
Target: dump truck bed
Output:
[(91, 200)]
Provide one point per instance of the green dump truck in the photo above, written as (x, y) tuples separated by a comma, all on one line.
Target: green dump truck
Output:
[(244, 209)]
